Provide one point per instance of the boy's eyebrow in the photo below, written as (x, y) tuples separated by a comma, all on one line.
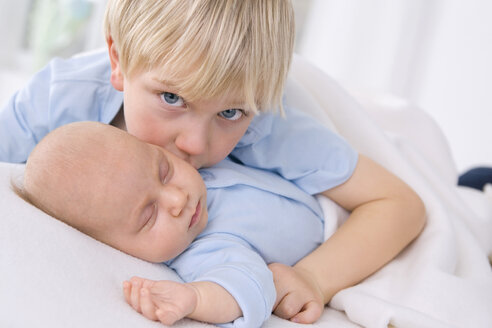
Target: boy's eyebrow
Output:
[(238, 105), (165, 82), (230, 105)]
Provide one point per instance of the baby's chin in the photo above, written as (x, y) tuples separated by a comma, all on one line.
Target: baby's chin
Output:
[(160, 258), (154, 259)]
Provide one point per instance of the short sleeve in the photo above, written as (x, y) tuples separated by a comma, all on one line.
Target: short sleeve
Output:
[(300, 149), (65, 91), (24, 119)]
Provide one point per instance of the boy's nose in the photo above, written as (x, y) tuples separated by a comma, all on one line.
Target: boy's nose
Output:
[(193, 141), (174, 199)]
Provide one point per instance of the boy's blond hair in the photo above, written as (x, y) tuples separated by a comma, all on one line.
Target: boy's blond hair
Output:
[(207, 48)]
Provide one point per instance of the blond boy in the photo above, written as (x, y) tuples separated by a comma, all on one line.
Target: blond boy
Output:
[(194, 73)]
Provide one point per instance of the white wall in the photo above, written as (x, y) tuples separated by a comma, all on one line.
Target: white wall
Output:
[(33, 31), (436, 53), (456, 84)]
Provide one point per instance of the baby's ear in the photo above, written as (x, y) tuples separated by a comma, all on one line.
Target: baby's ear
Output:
[(117, 79)]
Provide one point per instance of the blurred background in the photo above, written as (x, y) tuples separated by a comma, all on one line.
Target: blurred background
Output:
[(434, 53)]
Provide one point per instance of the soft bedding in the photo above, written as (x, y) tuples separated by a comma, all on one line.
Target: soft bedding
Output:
[(54, 276)]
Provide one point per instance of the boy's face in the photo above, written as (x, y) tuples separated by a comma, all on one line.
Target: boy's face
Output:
[(202, 132), (139, 198)]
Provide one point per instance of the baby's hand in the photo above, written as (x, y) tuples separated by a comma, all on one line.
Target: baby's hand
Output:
[(299, 298), (165, 301)]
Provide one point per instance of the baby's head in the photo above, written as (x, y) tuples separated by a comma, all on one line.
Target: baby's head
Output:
[(208, 48), (131, 195)]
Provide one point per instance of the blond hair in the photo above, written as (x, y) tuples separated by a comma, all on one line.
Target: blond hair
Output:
[(207, 48)]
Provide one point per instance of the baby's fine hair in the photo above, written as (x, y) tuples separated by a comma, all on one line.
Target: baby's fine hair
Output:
[(62, 155), (207, 48)]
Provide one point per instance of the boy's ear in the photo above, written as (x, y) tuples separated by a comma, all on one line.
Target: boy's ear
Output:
[(117, 79)]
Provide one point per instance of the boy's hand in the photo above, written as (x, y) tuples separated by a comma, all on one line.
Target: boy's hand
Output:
[(299, 297), (165, 301)]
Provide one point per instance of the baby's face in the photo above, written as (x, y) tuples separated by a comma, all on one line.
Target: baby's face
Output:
[(139, 198)]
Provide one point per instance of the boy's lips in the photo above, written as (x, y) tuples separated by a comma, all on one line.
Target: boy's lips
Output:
[(196, 217)]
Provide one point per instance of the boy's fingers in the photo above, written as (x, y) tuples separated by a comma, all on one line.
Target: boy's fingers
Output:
[(281, 294), (289, 306), (146, 305), (282, 289), (309, 314)]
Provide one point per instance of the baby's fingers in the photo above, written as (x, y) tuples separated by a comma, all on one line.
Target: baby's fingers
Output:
[(167, 317), (127, 288), (146, 305), (135, 293)]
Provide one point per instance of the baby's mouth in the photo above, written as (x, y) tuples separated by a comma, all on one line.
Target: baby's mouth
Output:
[(196, 217)]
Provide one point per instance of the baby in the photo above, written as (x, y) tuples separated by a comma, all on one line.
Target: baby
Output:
[(146, 202)]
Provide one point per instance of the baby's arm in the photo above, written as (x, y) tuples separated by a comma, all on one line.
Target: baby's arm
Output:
[(386, 215), (168, 301), (225, 281)]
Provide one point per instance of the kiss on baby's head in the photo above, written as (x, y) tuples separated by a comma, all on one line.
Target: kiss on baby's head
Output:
[(134, 196)]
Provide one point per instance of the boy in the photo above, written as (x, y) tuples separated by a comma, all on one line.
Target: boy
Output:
[(194, 74), (158, 206)]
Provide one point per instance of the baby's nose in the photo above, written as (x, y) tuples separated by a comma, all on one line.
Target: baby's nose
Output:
[(174, 199)]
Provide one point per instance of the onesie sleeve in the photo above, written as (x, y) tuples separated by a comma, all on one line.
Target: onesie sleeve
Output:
[(230, 262), (298, 148), (24, 119)]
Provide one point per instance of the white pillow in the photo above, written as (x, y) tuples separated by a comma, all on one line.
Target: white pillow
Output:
[(55, 276)]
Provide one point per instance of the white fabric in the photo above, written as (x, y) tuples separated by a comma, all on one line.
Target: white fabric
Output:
[(444, 278), (54, 276)]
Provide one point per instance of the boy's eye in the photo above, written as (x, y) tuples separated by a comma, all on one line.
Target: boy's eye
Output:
[(172, 99), (232, 114)]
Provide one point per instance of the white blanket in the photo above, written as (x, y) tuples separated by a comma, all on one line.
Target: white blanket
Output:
[(54, 276), (444, 278)]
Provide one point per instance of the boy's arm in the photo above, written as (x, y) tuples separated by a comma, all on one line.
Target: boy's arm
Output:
[(169, 301), (386, 215), (24, 119), (64, 91)]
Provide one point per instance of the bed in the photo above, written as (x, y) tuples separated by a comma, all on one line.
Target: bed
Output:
[(54, 276)]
